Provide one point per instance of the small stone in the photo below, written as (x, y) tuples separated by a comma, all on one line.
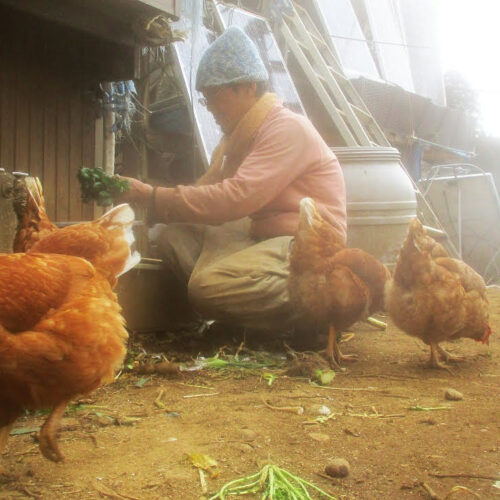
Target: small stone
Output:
[(324, 410), (453, 395), (248, 434), (339, 467), (318, 436), (319, 410)]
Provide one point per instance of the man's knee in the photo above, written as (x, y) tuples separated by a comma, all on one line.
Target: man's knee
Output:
[(167, 236), (201, 290), (179, 245)]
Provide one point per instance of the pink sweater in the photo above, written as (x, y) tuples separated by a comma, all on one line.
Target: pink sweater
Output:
[(288, 161)]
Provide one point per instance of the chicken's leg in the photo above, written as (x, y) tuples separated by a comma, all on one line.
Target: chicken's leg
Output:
[(435, 362), (48, 442), (333, 353), (4, 436), (447, 356)]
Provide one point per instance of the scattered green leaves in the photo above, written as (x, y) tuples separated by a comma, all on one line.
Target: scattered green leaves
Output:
[(24, 430), (98, 186), (74, 407), (428, 408), (246, 363), (202, 461), (274, 483), (141, 382), (172, 414), (270, 377), (324, 377), (127, 420), (38, 413)]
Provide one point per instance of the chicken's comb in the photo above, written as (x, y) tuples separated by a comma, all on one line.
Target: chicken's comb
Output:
[(486, 336)]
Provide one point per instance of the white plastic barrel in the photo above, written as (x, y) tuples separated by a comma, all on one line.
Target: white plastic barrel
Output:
[(380, 199)]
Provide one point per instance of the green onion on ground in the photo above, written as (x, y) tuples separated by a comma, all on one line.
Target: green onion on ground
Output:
[(273, 483), (244, 363)]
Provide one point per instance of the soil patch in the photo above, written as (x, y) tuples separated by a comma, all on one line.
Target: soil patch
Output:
[(387, 415)]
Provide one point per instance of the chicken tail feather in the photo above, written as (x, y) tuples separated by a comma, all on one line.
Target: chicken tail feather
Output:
[(122, 216)]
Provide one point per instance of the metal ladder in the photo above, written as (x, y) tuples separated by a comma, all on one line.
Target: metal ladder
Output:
[(322, 67), (345, 106)]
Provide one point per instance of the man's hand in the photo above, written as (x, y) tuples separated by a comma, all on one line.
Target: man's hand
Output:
[(138, 192)]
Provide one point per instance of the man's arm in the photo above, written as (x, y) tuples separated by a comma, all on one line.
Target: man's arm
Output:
[(275, 161)]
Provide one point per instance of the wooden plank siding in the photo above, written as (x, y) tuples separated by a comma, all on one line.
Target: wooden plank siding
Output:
[(47, 113)]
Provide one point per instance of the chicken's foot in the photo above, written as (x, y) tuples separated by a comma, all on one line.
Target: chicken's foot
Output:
[(434, 361), (333, 354), (5, 476), (48, 442), (448, 356)]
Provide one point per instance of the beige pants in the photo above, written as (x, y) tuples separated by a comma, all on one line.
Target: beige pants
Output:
[(230, 277)]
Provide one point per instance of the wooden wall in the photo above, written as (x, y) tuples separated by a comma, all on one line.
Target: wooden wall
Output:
[(47, 109)]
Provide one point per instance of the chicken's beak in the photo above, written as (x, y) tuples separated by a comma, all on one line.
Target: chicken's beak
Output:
[(308, 212)]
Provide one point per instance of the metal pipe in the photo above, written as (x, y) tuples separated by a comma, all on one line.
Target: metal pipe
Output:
[(436, 233), (459, 221)]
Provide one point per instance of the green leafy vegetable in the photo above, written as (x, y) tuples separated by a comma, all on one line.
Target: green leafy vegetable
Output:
[(324, 377), (274, 483), (97, 185)]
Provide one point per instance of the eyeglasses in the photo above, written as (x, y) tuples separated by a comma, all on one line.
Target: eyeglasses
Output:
[(205, 101)]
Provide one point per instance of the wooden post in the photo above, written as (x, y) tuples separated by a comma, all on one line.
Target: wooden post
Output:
[(99, 143), (109, 136)]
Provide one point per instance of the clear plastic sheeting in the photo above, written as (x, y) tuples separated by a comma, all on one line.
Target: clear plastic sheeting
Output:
[(258, 30), (389, 41), (340, 24), (423, 48), (187, 55)]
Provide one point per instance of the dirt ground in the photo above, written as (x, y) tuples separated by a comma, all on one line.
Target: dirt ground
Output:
[(128, 441)]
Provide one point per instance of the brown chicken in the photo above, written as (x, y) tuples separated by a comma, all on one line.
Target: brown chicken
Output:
[(61, 331), (331, 285), (105, 242), (435, 297)]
